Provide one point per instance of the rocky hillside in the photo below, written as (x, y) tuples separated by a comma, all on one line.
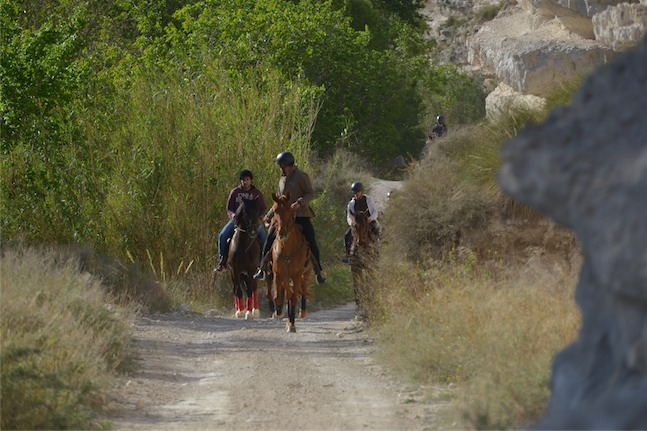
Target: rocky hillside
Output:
[(521, 50)]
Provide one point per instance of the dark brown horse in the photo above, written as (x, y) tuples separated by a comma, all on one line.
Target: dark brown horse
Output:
[(244, 257), (363, 253), (291, 263)]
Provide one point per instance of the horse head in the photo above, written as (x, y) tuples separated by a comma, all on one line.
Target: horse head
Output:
[(284, 215), (360, 228), (246, 218)]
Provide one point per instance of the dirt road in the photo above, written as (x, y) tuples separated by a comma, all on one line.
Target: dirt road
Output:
[(220, 373), (200, 373)]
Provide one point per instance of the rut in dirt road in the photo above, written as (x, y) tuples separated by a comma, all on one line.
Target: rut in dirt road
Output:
[(221, 373)]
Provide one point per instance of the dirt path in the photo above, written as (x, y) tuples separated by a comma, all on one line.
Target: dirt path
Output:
[(221, 373), (199, 373)]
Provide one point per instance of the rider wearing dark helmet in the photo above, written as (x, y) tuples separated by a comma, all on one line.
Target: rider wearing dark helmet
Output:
[(298, 184), (245, 190), (437, 131), (440, 128), (359, 202)]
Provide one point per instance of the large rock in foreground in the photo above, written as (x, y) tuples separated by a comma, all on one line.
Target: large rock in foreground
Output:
[(586, 167)]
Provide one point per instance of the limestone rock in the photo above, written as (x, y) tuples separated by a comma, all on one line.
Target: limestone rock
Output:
[(532, 62), (621, 27), (586, 167), (504, 99)]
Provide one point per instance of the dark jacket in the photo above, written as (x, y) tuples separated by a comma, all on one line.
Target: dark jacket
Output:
[(237, 195)]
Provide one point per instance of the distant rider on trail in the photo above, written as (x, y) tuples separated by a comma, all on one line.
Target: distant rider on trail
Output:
[(360, 202)]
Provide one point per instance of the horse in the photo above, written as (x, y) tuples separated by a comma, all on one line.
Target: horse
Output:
[(291, 261), (363, 252), (244, 258)]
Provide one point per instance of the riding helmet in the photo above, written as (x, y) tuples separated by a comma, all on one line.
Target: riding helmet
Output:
[(285, 158), (357, 187), (246, 173), (440, 119)]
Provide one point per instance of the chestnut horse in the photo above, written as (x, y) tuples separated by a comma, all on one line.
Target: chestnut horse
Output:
[(291, 262), (244, 258), (363, 252)]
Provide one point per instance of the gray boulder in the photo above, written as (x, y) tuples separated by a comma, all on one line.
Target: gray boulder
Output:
[(586, 167)]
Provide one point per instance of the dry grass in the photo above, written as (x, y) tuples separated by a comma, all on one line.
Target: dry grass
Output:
[(62, 340), (489, 335), (474, 293)]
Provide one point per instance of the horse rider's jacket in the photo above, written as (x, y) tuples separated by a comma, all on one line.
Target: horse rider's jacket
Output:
[(298, 184), (237, 195), (362, 204)]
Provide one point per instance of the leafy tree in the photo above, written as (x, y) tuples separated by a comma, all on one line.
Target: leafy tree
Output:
[(358, 86)]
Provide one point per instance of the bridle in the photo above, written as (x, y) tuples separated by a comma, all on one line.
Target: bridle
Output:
[(248, 230)]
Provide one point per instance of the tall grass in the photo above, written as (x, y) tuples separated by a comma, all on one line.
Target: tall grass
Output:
[(181, 152), (62, 340), (490, 336)]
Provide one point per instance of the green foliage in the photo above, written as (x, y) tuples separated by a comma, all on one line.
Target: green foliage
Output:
[(313, 42), (407, 10), (40, 68), (449, 92)]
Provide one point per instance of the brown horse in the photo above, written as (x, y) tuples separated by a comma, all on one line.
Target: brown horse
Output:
[(244, 257), (291, 263), (363, 252)]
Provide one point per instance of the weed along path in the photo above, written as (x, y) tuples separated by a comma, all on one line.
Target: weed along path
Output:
[(212, 373)]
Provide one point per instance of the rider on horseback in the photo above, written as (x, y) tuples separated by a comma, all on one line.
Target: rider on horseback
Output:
[(247, 191), (298, 184), (360, 202)]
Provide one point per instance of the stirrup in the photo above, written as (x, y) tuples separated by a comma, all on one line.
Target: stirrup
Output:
[(260, 275)]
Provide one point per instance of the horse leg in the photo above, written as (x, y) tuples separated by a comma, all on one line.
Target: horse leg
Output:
[(278, 301), (255, 307), (305, 291), (292, 306), (270, 299), (247, 301), (303, 312), (239, 302)]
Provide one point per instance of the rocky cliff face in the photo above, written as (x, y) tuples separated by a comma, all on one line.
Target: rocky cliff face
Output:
[(531, 47), (588, 171)]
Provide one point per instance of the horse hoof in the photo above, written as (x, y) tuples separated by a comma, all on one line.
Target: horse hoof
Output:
[(256, 313), (303, 314), (239, 314), (291, 328), (249, 315), (277, 316)]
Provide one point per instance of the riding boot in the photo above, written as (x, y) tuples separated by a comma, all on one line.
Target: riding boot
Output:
[(316, 266), (221, 265), (262, 268)]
